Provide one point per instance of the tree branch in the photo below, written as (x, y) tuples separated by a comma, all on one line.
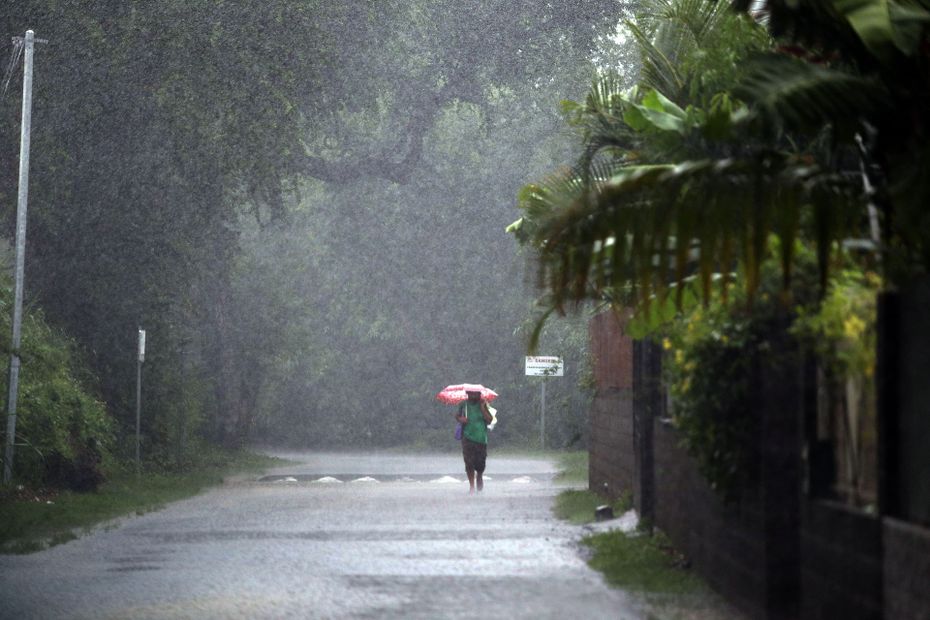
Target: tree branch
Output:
[(349, 169)]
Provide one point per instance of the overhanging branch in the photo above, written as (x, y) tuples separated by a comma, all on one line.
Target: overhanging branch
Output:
[(350, 168)]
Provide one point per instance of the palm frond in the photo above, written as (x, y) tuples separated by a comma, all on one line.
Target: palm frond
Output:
[(650, 226), (792, 95), (658, 70)]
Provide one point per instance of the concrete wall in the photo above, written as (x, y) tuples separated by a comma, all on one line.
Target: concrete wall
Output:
[(724, 543), (841, 563), (913, 415), (906, 565)]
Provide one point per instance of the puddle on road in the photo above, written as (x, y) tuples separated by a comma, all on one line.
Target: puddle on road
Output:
[(132, 568)]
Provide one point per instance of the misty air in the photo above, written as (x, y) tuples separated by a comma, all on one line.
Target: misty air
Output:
[(433, 309)]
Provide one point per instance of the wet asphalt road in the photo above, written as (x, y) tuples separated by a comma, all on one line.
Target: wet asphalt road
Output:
[(415, 546)]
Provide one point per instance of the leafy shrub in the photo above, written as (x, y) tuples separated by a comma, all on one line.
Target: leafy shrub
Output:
[(63, 433), (713, 354), (842, 330), (710, 382), (842, 333)]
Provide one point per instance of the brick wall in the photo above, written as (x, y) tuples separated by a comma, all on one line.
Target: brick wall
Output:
[(611, 460), (906, 570), (611, 352), (611, 463)]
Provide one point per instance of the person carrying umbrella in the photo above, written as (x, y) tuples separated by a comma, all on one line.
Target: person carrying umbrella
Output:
[(474, 416)]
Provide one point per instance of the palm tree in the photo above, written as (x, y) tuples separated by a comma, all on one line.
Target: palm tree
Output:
[(698, 180), (863, 69), (689, 182)]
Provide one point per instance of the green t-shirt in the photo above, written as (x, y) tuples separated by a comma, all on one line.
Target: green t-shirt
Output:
[(476, 429)]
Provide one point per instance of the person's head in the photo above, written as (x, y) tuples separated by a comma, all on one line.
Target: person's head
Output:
[(473, 396)]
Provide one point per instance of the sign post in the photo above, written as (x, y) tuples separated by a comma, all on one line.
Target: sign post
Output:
[(139, 359), (543, 366)]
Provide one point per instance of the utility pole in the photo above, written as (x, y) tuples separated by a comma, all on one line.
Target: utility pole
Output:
[(25, 133)]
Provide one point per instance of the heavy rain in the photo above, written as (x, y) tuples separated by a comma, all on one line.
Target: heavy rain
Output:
[(464, 309)]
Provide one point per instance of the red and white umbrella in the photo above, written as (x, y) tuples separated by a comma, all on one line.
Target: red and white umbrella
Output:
[(454, 394)]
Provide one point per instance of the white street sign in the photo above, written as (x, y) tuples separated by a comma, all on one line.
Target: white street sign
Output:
[(544, 366), (141, 345)]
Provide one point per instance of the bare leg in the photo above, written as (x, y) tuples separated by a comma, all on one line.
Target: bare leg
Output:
[(471, 480), (480, 480)]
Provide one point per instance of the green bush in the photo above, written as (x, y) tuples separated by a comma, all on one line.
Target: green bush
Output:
[(712, 353), (842, 329), (63, 434)]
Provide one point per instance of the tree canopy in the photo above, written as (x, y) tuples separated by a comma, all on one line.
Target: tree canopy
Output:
[(163, 132), (729, 138)]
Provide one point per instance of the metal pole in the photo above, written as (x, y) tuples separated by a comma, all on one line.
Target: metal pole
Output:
[(25, 131), (138, 417), (542, 415), (140, 357)]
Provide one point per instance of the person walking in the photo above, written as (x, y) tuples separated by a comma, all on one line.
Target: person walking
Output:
[(474, 416)]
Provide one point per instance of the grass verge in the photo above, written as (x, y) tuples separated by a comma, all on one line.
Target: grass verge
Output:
[(573, 467), (34, 521), (658, 575), (641, 563), (644, 564), (577, 506)]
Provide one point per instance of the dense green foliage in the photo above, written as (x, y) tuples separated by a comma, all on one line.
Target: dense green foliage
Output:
[(823, 138), (728, 149), (715, 354), (273, 192), (842, 329), (860, 71), (842, 333), (63, 434)]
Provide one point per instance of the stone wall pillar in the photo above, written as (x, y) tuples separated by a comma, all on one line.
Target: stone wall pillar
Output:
[(611, 463)]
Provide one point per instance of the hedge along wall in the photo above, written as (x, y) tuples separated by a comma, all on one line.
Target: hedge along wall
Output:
[(747, 549), (779, 552)]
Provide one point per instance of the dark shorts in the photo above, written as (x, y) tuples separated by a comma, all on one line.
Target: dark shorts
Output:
[(475, 455)]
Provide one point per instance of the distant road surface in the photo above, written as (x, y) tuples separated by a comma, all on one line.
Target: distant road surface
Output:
[(412, 545)]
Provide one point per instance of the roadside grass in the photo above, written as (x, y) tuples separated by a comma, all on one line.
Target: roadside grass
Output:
[(32, 521), (573, 467), (640, 563), (650, 568), (577, 506)]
